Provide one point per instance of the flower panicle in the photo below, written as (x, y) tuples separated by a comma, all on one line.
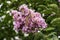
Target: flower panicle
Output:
[(27, 20)]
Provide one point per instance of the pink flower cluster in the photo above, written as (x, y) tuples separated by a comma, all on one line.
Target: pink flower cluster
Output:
[(27, 20), (58, 0)]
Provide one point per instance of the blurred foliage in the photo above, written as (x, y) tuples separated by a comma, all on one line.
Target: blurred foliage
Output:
[(50, 10)]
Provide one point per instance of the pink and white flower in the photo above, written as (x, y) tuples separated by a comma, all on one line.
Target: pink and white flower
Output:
[(27, 20)]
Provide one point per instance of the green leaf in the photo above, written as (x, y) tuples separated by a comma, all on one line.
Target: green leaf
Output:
[(53, 5), (50, 28), (55, 37), (56, 22)]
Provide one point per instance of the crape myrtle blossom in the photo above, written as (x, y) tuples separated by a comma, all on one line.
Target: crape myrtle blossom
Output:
[(27, 20), (58, 0)]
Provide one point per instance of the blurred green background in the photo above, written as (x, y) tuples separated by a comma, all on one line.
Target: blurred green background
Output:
[(49, 9)]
